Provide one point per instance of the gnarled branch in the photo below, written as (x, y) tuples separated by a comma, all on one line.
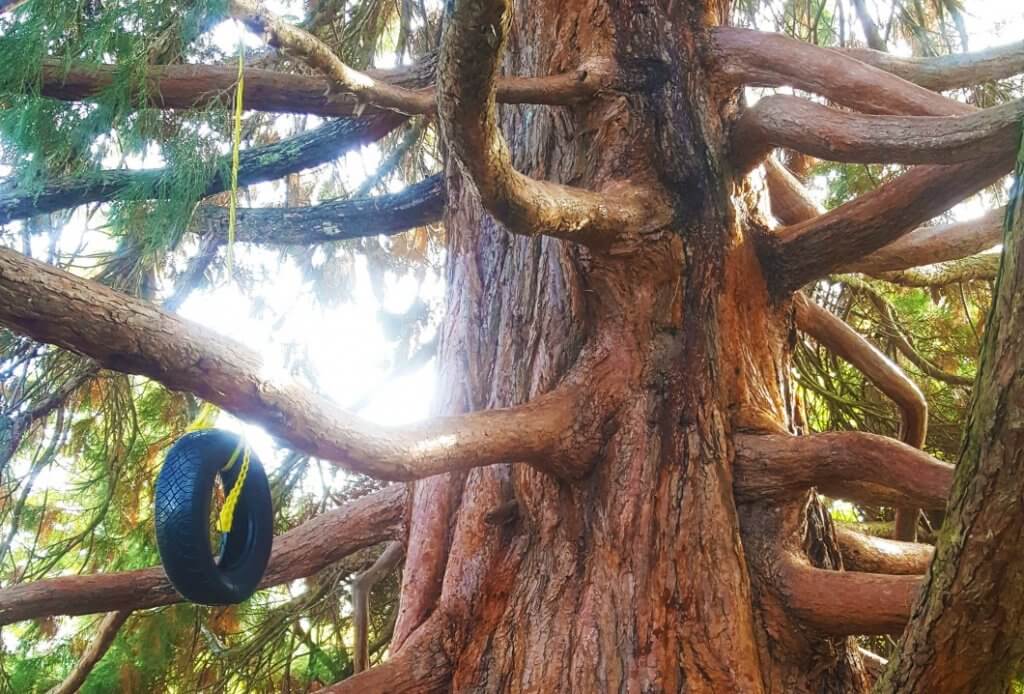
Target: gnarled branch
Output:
[(847, 603), (106, 632), (474, 38), (881, 556), (834, 135), (808, 250), (319, 56), (952, 71), (300, 552), (125, 334), (761, 59), (847, 464)]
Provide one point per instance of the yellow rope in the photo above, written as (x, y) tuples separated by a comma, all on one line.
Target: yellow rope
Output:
[(205, 420), (227, 512), (236, 142)]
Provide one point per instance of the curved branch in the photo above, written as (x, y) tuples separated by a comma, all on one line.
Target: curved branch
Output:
[(552, 432), (263, 163), (808, 250), (474, 38), (847, 464), (791, 202), (761, 59), (298, 553), (889, 378), (848, 603), (319, 56), (934, 244), (335, 220), (881, 556), (834, 135), (952, 71), (361, 587), (838, 337), (106, 632)]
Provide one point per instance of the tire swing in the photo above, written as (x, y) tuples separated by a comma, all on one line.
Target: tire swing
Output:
[(184, 490)]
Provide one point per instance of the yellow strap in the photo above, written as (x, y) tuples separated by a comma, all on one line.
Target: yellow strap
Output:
[(205, 420), (227, 512), (236, 143)]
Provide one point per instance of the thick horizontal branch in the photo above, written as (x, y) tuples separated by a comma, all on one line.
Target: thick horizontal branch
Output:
[(417, 205), (761, 59), (834, 135), (839, 338), (936, 243), (809, 250), (881, 556), (298, 553), (981, 267), (953, 71), (841, 465), (101, 641), (848, 603), (125, 334), (474, 39), (199, 86), (263, 163)]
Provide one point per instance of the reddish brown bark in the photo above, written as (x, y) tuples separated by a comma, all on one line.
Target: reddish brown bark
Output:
[(949, 71)]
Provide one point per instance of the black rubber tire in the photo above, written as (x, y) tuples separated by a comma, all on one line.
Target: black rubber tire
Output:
[(184, 490)]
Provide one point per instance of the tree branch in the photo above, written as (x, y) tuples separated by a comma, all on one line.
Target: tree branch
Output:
[(552, 433), (105, 634), (808, 250), (319, 56), (889, 378), (361, 587), (422, 665), (334, 220), (881, 556), (953, 71), (298, 553), (848, 603), (981, 267), (200, 86), (263, 163), (934, 244), (834, 135), (474, 38), (760, 59), (790, 202), (867, 23), (847, 464)]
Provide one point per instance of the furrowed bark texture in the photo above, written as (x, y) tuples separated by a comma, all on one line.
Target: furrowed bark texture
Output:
[(973, 598), (633, 578)]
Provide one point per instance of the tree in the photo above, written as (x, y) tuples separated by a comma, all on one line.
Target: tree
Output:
[(616, 493)]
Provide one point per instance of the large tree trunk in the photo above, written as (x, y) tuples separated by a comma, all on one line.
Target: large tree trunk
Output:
[(637, 578)]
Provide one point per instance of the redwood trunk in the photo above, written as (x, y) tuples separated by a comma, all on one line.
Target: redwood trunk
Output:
[(645, 576)]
